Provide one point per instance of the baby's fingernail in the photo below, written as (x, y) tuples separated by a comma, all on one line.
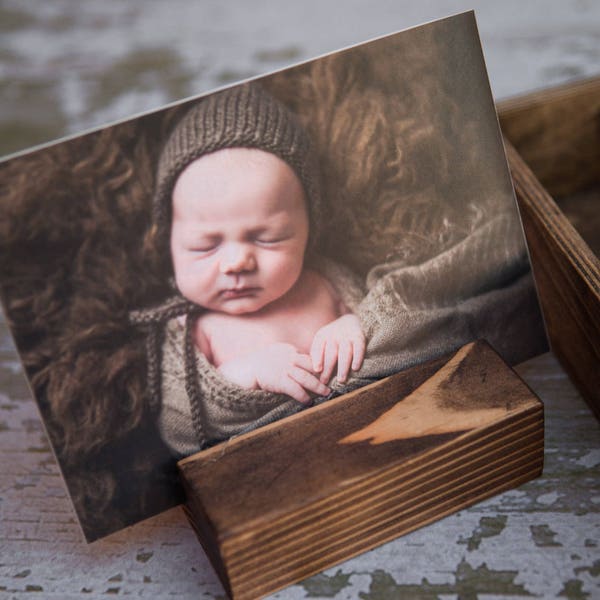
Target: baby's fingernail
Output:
[(318, 368)]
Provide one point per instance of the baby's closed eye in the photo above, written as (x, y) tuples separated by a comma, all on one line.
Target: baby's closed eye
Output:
[(203, 250), (270, 240), (270, 235), (204, 245)]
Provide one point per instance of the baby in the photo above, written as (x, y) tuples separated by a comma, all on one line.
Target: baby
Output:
[(238, 204), (238, 239)]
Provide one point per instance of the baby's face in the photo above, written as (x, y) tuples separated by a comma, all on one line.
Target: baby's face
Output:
[(239, 230)]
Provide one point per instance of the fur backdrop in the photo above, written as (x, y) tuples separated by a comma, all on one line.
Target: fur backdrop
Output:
[(398, 129)]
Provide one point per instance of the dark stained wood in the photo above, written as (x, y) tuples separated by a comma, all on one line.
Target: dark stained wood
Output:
[(286, 501), (567, 275), (583, 211), (554, 150), (557, 133)]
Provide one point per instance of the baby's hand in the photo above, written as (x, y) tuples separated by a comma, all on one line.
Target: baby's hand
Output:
[(276, 368), (341, 341)]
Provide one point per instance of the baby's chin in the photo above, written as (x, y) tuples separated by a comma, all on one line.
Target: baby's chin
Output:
[(239, 306), (245, 302)]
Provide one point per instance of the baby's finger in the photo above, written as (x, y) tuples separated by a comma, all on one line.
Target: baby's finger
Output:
[(309, 382), (344, 360), (316, 353), (359, 346), (329, 360), (304, 361), (292, 388)]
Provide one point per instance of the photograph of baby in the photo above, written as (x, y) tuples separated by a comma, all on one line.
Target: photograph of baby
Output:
[(238, 206), (192, 274)]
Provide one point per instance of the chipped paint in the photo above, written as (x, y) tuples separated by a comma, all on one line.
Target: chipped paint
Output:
[(469, 584), (113, 590), (325, 586), (488, 527), (144, 557), (594, 570), (573, 590), (23, 574), (543, 536), (483, 580), (384, 587)]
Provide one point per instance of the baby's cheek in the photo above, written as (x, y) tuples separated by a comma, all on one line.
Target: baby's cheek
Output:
[(286, 268), (194, 280), (294, 258)]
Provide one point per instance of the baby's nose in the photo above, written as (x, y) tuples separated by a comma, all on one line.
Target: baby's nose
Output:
[(238, 258)]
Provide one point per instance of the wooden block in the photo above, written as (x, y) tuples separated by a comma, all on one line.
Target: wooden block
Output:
[(567, 275), (556, 134), (281, 503)]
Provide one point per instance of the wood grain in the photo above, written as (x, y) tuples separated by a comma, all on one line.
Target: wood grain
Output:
[(553, 149), (283, 502), (557, 133), (567, 275)]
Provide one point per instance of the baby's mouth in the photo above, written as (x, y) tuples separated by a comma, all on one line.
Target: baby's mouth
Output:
[(238, 292)]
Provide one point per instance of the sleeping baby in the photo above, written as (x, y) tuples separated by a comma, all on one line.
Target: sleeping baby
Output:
[(263, 323)]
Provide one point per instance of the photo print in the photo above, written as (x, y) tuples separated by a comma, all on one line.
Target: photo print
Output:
[(191, 274)]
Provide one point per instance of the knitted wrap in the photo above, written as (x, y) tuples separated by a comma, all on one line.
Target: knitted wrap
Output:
[(244, 116), (195, 405)]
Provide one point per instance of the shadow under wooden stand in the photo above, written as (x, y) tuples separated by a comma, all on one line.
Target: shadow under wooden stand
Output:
[(281, 503)]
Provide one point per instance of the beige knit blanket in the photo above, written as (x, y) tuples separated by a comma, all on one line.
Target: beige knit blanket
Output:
[(225, 408)]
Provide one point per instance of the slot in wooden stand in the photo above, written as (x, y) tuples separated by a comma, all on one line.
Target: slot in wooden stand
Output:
[(281, 503)]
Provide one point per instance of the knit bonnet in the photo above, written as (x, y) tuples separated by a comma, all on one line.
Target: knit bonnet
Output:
[(244, 116)]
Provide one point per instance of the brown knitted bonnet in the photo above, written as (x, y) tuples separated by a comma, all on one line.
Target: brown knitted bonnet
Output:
[(242, 116)]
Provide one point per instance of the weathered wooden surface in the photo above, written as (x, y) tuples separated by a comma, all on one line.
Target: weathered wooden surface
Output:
[(287, 500), (541, 539)]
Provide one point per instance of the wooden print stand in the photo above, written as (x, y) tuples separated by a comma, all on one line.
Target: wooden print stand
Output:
[(281, 503), (556, 155)]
